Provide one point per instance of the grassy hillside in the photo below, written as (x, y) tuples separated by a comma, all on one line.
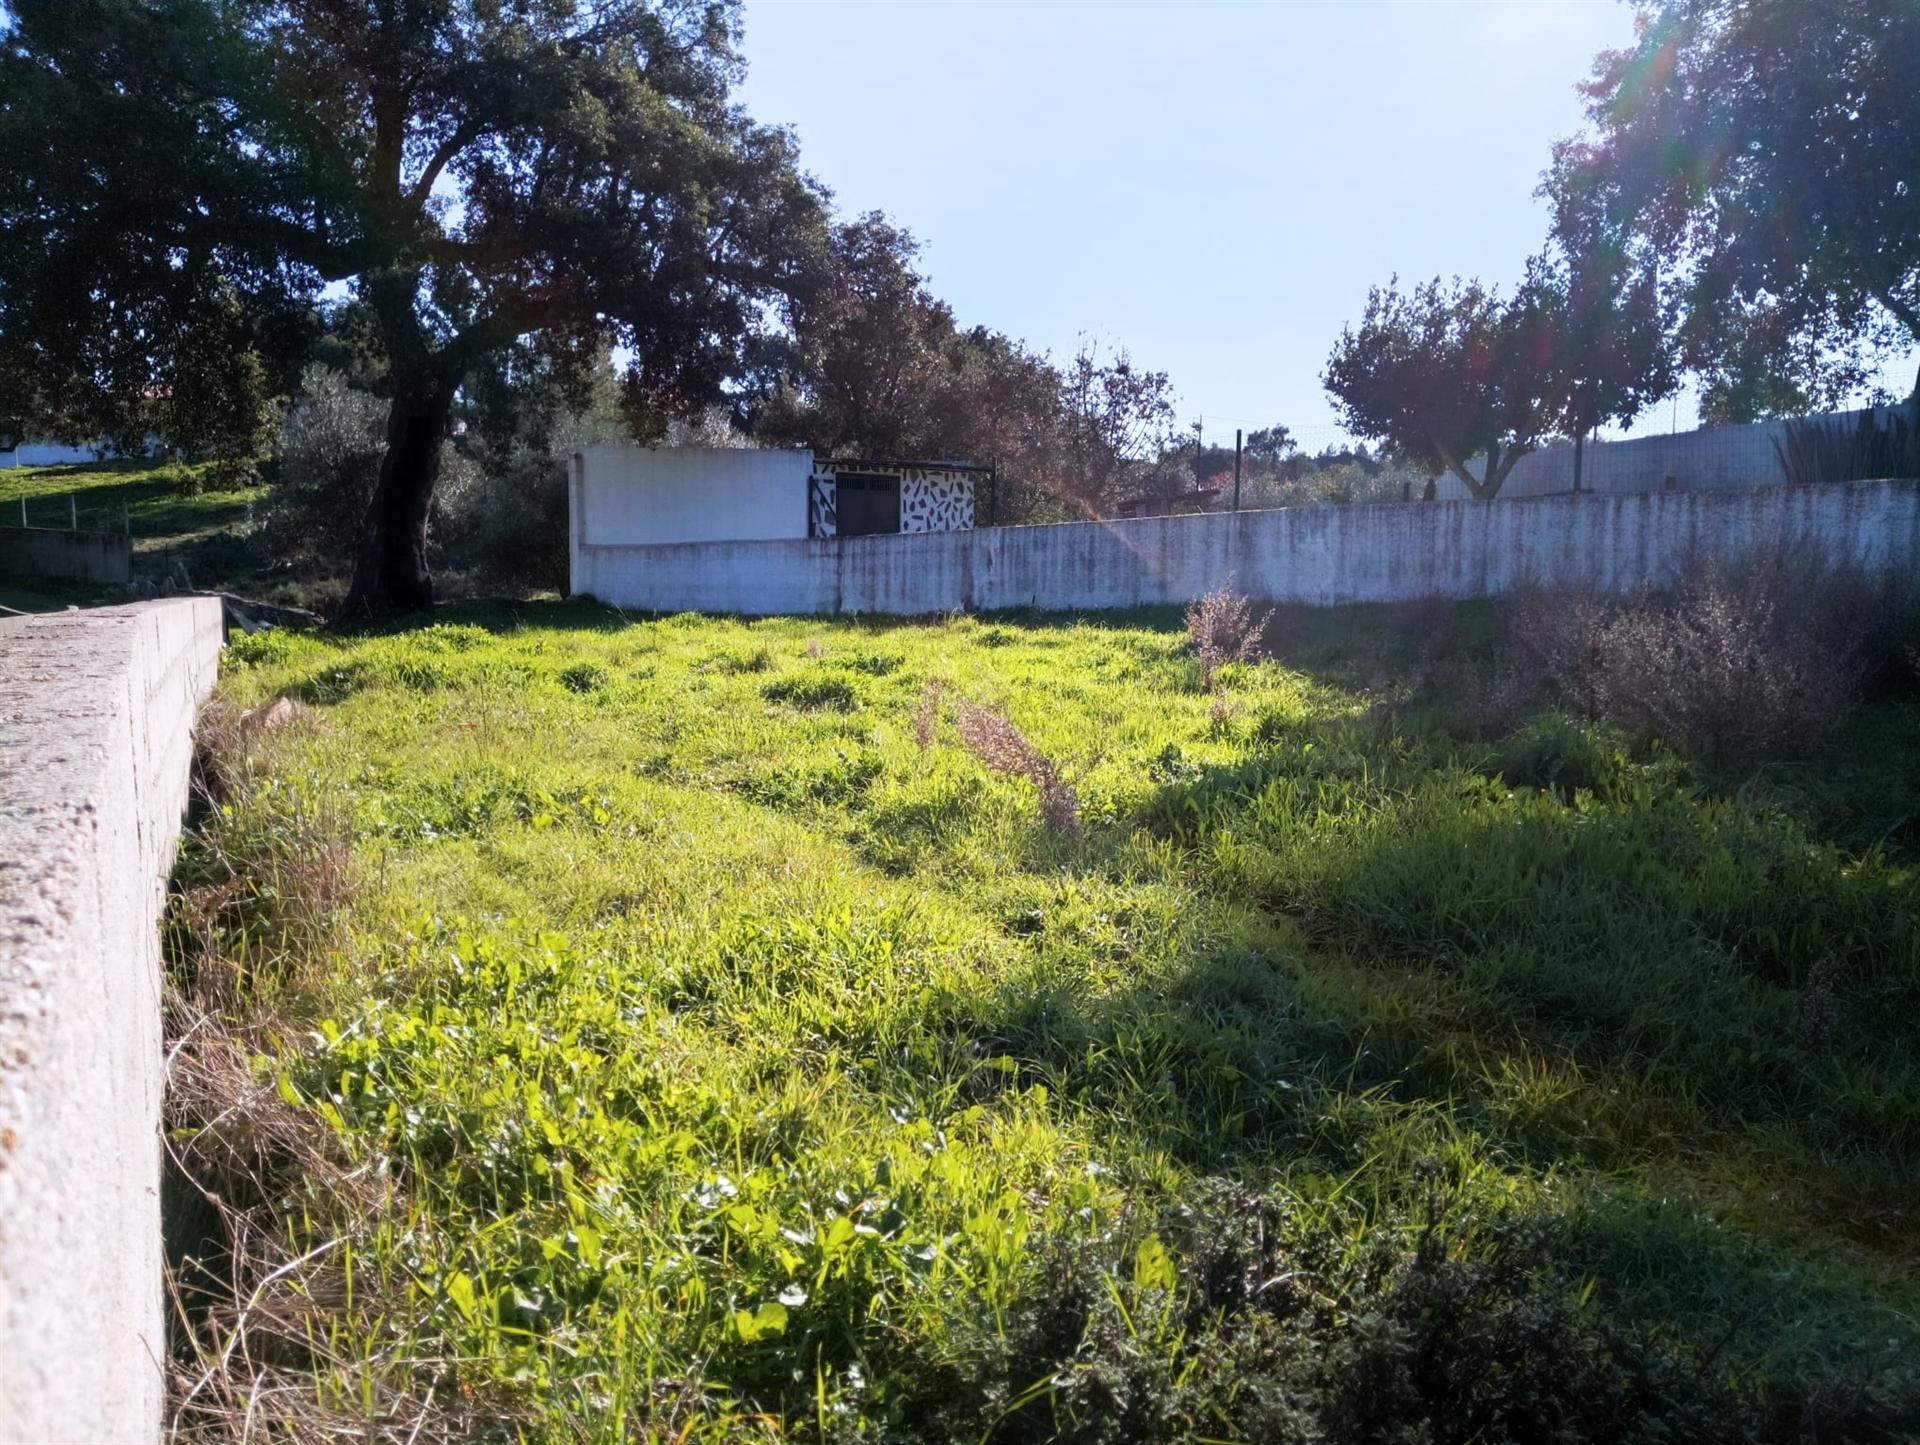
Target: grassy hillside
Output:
[(669, 1030), (155, 501), (177, 530)]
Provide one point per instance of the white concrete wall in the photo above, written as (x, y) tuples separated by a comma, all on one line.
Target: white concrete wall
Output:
[(56, 454), (1318, 555), (1710, 457), (628, 495), (48, 454), (96, 717)]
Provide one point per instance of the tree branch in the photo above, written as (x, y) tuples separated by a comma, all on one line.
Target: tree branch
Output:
[(1497, 476), (1472, 484), (464, 136), (516, 316)]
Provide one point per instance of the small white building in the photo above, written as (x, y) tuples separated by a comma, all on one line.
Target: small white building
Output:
[(627, 496)]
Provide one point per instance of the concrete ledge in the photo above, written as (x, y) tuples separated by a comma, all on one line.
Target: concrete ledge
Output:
[(71, 556), (96, 718)]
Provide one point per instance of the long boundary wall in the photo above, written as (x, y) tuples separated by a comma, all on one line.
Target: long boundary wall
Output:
[(96, 717), (1317, 555)]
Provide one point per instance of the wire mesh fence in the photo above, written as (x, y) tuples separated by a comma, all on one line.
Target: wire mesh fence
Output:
[(66, 511)]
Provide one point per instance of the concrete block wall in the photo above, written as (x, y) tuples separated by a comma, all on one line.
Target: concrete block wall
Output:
[(96, 717), (1318, 555), (82, 556)]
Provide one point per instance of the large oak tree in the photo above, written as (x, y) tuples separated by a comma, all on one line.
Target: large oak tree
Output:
[(479, 174), (1768, 152)]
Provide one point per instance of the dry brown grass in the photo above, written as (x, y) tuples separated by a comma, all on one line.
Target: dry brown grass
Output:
[(227, 742), (926, 717), (263, 889), (991, 737), (264, 1309), (259, 1316)]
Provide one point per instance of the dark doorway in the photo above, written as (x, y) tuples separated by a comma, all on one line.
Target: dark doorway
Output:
[(868, 504)]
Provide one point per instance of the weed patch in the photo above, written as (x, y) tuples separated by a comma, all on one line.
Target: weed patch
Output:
[(703, 1030), (813, 693)]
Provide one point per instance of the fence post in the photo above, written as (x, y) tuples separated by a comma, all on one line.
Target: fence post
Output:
[(73, 511), (23, 509), (1236, 469)]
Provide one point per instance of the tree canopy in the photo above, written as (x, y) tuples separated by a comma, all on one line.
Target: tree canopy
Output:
[(870, 362), (1768, 153), (1443, 374), (1613, 354), (1117, 414), (560, 176)]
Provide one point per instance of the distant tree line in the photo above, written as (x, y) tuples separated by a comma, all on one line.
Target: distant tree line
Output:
[(469, 212)]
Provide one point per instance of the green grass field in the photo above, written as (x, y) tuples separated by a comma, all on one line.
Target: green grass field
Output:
[(146, 498), (710, 1047), (174, 528)]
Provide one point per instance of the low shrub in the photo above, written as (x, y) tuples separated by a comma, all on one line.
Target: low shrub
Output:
[(1244, 1317), (502, 517), (1734, 664), (328, 461), (228, 475), (1224, 629)]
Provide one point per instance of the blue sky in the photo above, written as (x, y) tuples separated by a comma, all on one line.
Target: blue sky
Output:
[(1214, 186)]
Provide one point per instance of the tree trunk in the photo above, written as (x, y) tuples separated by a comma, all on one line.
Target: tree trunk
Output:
[(390, 573)]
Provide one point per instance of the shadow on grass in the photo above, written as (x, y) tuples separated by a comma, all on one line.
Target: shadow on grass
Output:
[(1354, 1126)]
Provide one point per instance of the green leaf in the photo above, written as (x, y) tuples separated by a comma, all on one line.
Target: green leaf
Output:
[(459, 1289), (1153, 1266), (770, 1319)]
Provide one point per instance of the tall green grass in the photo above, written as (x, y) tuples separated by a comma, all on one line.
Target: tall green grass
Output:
[(714, 1048)]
